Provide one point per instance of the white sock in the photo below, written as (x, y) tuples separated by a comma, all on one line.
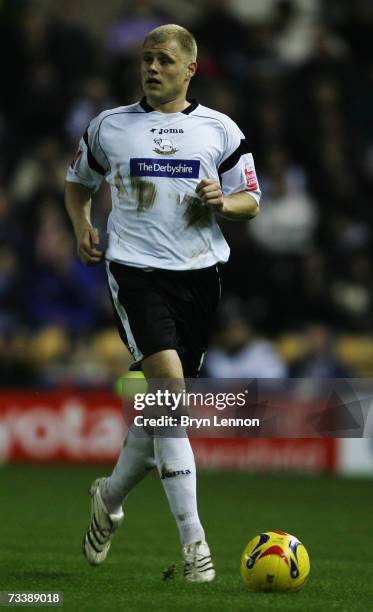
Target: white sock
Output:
[(176, 467), (135, 461)]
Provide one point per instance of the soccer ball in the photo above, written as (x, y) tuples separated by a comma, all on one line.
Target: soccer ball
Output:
[(275, 561)]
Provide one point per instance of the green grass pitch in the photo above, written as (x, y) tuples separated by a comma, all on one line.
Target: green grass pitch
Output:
[(44, 511)]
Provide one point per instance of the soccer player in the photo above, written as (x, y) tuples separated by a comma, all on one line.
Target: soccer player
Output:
[(173, 166)]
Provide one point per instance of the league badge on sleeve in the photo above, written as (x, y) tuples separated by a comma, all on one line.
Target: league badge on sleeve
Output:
[(251, 180), (77, 156)]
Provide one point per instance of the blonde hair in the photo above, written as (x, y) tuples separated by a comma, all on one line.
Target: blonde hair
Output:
[(185, 38)]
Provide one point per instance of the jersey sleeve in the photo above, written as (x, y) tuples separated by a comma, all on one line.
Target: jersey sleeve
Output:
[(90, 164), (237, 168)]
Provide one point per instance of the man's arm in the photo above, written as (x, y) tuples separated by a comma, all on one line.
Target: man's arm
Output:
[(78, 206), (236, 207), (239, 207)]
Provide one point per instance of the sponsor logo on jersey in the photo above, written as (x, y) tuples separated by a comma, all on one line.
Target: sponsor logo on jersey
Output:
[(161, 131), (251, 180), (164, 146), (173, 168)]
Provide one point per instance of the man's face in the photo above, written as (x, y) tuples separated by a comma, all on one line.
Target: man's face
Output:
[(165, 70)]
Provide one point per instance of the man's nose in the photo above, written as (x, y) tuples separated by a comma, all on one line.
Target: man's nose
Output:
[(153, 66)]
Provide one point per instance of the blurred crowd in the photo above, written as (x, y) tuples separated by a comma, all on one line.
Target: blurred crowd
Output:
[(296, 75)]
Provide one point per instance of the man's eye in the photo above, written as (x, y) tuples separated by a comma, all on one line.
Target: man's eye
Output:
[(162, 60)]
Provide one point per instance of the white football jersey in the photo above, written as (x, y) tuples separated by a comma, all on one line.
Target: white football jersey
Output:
[(153, 162)]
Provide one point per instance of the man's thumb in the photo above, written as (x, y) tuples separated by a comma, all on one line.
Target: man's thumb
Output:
[(95, 236)]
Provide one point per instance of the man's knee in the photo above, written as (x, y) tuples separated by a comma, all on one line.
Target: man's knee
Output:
[(165, 377), (164, 364)]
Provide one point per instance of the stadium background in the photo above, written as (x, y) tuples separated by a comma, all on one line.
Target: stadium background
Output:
[(297, 76)]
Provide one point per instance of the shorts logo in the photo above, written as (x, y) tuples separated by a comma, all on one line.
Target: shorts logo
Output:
[(173, 168), (164, 146), (251, 180)]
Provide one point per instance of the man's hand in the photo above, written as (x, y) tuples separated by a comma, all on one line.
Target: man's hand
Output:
[(211, 194), (87, 240), (78, 206)]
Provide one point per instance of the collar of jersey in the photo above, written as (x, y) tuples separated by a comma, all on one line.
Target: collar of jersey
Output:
[(149, 109)]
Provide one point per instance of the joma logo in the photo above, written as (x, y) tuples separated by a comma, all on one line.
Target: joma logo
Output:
[(167, 131), (175, 473)]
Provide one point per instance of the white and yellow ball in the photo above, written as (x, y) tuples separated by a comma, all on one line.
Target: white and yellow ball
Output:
[(275, 561)]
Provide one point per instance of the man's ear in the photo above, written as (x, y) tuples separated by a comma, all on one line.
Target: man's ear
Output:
[(192, 69)]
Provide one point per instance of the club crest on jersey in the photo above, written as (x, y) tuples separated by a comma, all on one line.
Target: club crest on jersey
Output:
[(164, 146)]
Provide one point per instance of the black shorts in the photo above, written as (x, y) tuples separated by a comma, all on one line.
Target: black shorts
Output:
[(165, 309)]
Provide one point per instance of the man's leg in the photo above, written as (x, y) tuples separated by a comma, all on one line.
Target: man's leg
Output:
[(176, 466), (107, 494), (135, 461)]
